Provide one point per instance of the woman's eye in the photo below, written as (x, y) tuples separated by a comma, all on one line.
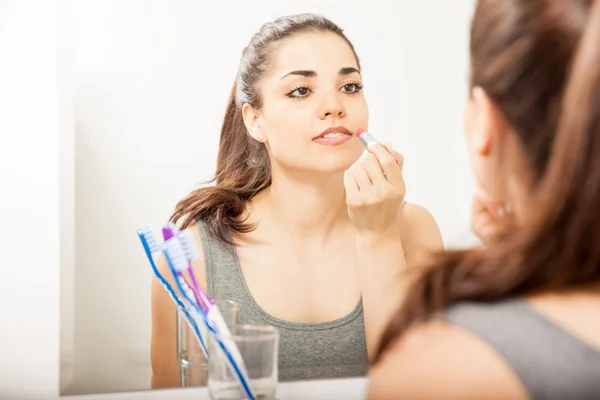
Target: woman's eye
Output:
[(351, 87), (302, 91)]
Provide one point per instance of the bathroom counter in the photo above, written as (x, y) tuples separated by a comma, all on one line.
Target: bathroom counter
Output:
[(347, 389)]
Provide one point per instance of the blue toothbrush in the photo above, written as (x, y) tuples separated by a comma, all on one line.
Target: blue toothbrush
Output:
[(152, 247), (178, 262)]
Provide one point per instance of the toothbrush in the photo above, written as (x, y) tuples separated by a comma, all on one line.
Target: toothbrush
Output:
[(213, 314), (189, 249), (203, 301), (151, 247), (178, 262), (191, 253)]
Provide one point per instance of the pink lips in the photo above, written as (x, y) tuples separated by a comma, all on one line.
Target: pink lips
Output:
[(334, 140)]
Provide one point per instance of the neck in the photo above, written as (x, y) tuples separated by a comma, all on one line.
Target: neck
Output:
[(305, 205)]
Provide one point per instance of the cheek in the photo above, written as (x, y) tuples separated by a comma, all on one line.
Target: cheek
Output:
[(288, 134), (476, 161), (286, 116), (283, 123), (467, 119), (358, 111), (469, 134), (482, 168)]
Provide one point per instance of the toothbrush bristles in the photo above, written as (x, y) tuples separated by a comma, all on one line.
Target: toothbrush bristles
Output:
[(176, 254), (188, 245), (150, 239)]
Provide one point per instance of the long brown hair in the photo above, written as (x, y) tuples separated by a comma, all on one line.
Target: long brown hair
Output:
[(243, 165), (540, 62)]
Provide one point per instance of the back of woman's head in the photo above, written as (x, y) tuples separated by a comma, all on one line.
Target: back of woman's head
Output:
[(243, 166), (523, 51)]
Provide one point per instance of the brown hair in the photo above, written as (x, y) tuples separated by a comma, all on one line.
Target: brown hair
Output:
[(243, 165), (525, 54)]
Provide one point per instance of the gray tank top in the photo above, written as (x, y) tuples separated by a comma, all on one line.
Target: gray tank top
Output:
[(329, 349), (551, 363)]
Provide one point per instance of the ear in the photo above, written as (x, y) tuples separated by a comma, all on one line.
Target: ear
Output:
[(253, 122), (487, 120)]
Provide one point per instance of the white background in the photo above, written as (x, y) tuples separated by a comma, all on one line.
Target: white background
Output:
[(114, 114)]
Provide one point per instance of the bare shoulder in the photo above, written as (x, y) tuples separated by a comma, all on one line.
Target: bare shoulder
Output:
[(437, 360), (415, 217), (419, 232)]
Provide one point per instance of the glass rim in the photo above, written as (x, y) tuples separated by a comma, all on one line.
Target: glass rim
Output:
[(226, 301), (262, 333)]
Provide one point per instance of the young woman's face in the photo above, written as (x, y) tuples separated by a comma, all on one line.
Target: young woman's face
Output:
[(313, 85)]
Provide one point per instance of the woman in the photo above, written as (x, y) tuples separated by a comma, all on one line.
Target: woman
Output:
[(521, 318), (297, 231)]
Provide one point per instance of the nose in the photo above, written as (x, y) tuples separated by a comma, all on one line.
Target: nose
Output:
[(332, 107)]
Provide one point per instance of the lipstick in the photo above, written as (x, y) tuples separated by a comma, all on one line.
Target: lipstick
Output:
[(366, 138)]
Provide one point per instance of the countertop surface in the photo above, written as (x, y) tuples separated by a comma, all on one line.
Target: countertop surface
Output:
[(347, 389)]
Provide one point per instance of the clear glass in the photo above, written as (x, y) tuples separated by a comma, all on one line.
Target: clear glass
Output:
[(192, 363), (259, 348)]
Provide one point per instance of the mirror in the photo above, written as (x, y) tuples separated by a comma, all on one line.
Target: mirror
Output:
[(151, 81)]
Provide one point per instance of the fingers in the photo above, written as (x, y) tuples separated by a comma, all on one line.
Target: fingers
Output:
[(488, 233), (361, 177), (482, 201), (485, 227), (479, 222), (377, 176), (397, 156), (374, 170), (352, 188), (389, 162), (385, 159), (490, 218)]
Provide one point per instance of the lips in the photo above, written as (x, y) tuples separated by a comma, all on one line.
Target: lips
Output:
[(333, 130)]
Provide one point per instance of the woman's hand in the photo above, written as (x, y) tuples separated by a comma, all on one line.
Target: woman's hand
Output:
[(490, 218), (375, 190)]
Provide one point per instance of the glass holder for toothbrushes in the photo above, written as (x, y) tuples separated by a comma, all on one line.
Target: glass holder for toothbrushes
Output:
[(192, 362), (258, 346)]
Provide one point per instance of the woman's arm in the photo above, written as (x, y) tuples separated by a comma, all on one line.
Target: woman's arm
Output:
[(163, 345), (389, 238), (384, 260)]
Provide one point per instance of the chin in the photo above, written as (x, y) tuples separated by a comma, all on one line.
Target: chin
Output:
[(324, 162), (332, 165)]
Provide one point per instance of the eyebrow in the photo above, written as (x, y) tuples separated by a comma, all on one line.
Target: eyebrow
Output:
[(311, 74)]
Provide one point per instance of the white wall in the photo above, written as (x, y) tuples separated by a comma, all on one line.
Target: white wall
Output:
[(33, 123), (66, 147), (151, 82)]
